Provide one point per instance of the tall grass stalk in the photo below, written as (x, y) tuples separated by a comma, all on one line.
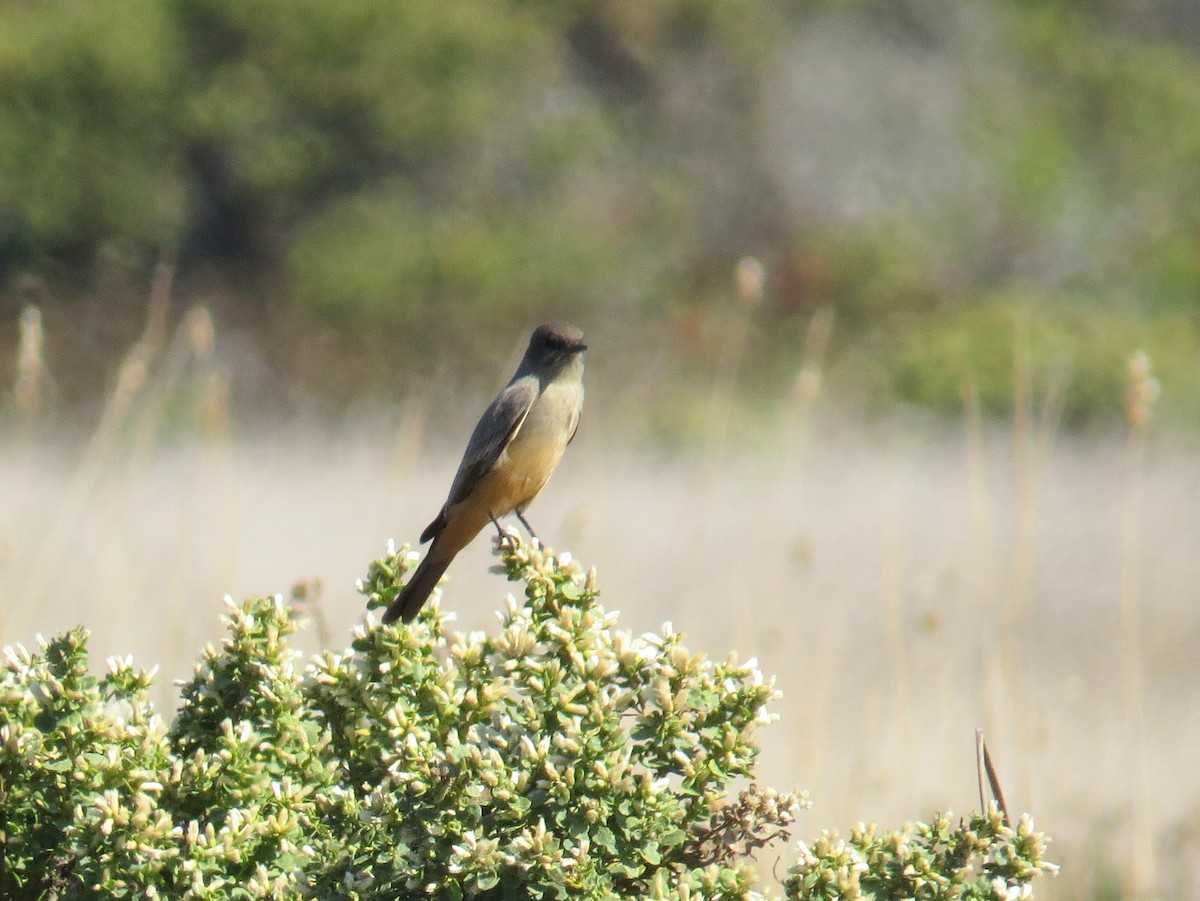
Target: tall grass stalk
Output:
[(893, 610), (811, 740), (808, 384), (750, 281), (1008, 595), (156, 382), (120, 406), (191, 347), (1141, 393), (206, 515), (410, 435), (29, 393)]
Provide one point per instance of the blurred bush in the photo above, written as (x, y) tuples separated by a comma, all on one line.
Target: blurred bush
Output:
[(1075, 353), (377, 163), (89, 129), (378, 155)]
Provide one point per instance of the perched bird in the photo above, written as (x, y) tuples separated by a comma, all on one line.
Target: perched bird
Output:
[(511, 455)]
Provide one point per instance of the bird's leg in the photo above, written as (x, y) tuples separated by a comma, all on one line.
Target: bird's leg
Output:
[(528, 527), (500, 533)]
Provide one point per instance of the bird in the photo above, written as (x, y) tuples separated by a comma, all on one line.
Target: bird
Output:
[(515, 448)]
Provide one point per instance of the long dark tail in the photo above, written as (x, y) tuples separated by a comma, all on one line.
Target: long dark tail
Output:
[(409, 601)]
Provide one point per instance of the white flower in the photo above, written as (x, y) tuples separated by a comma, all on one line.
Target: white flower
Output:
[(17, 656), (1001, 889)]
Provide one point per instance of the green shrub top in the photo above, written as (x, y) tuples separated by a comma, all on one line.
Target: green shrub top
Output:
[(557, 757)]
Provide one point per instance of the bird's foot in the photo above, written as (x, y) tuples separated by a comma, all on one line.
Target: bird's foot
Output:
[(528, 527)]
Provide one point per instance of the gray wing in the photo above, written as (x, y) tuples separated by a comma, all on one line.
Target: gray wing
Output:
[(578, 416), (496, 428)]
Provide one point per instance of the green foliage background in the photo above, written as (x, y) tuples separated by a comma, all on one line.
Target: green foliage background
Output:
[(380, 166)]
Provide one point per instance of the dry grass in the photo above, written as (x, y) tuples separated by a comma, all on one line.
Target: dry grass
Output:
[(906, 581)]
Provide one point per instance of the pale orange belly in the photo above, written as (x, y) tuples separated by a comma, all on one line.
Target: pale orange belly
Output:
[(523, 469), (515, 480)]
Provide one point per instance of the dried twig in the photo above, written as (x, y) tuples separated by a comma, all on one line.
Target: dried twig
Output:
[(983, 764)]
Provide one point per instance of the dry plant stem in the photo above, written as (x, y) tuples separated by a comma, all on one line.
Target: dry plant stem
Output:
[(983, 540), (309, 596), (139, 446), (31, 388), (893, 590), (1020, 592), (860, 774), (184, 349), (979, 769), (1033, 439), (749, 281), (807, 391), (1140, 868), (811, 738), (209, 508), (808, 383), (410, 435), (324, 636), (987, 771), (131, 381), (1034, 446), (721, 408), (721, 401), (994, 782)]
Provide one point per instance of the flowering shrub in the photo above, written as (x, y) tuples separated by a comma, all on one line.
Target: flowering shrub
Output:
[(556, 758), (980, 859)]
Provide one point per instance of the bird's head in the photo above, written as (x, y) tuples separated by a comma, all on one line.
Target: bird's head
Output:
[(553, 346)]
